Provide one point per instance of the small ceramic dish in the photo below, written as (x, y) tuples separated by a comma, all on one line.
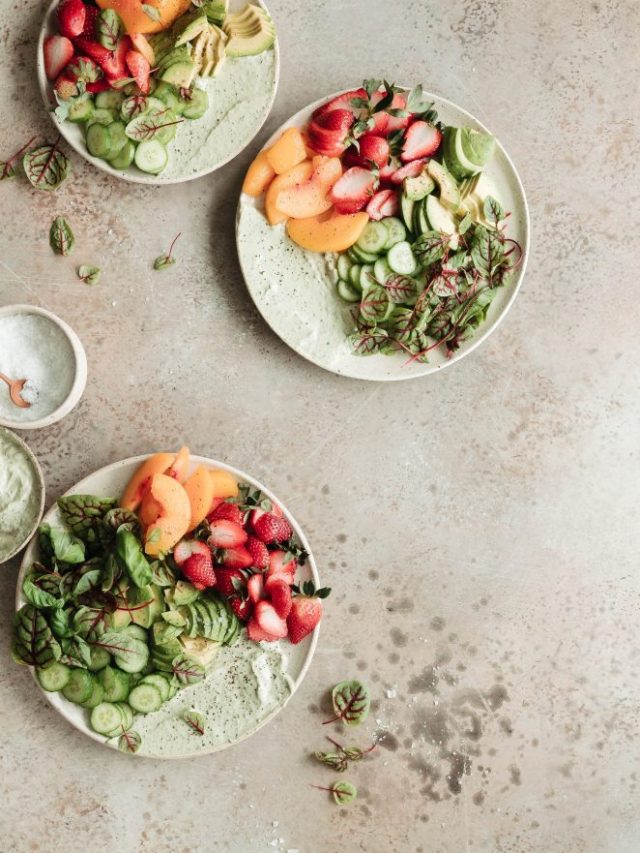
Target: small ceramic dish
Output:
[(71, 349), (37, 499)]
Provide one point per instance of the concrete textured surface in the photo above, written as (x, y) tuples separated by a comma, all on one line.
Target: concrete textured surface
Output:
[(478, 527)]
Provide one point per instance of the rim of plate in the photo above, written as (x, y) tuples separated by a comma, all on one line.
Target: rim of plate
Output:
[(80, 377), (132, 177), (41, 486), (480, 337), (311, 563)]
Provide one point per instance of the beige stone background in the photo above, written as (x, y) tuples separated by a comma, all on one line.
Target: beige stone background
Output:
[(479, 527)]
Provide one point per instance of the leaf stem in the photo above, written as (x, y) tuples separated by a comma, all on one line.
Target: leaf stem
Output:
[(9, 164)]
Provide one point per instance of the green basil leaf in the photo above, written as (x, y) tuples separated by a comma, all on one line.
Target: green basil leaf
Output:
[(76, 652), (66, 546), (60, 623), (37, 596), (61, 237), (129, 552)]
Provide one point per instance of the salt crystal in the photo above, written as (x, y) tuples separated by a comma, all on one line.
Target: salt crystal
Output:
[(392, 693)]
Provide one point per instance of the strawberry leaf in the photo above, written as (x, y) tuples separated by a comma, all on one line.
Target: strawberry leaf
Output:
[(195, 721), (61, 237)]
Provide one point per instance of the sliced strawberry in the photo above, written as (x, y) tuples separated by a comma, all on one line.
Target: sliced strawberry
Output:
[(384, 203), (215, 503), (65, 88), (373, 149), (411, 170), (282, 564), (392, 166), (353, 190), (98, 86), (342, 102), (198, 569), (330, 143), (279, 591), (268, 620), (242, 607), (95, 51), (255, 587), (229, 582), (182, 552), (236, 558), (396, 123), (226, 534), (335, 121), (380, 119), (71, 17), (305, 614), (115, 67), (256, 633), (231, 512), (421, 140), (89, 30), (270, 528), (140, 69), (58, 53), (259, 552)]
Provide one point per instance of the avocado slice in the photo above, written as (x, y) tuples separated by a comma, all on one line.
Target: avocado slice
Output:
[(250, 32), (177, 54), (419, 187), (456, 160), (200, 650), (202, 43), (441, 219), (184, 593), (249, 46), (180, 74), (188, 27), (449, 192), (216, 10)]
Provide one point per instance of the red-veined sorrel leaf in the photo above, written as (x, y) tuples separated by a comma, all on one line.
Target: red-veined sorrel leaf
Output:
[(122, 645), (129, 741), (7, 167), (152, 12), (33, 642), (88, 273), (400, 288), (46, 167), (343, 793), (134, 106), (61, 237), (369, 341), (150, 125), (350, 703), (109, 28), (430, 247), (195, 721), (186, 670), (375, 304)]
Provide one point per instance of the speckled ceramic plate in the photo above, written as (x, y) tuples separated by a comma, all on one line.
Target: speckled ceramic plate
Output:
[(295, 291), (234, 117), (166, 735)]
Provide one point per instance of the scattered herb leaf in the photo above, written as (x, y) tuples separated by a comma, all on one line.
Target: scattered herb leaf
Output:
[(89, 274), (164, 261), (61, 237), (46, 167), (351, 703), (195, 720), (129, 741), (343, 793)]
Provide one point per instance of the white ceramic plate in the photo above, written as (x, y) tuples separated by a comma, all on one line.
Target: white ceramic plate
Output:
[(231, 122), (298, 299), (110, 482)]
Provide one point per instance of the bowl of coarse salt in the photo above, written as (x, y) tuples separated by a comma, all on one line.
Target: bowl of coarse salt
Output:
[(43, 367)]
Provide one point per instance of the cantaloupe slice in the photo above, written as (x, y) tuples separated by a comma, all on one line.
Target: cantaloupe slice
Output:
[(139, 483), (169, 502), (287, 152), (180, 467), (327, 232), (225, 484), (199, 489), (298, 175), (259, 175), (135, 18), (310, 198)]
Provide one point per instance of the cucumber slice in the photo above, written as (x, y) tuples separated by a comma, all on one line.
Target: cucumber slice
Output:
[(115, 683), (373, 238), (348, 292), (81, 110), (344, 265), (102, 117), (99, 658), (156, 105), (196, 105), (53, 677), (381, 269), (366, 272), (126, 715), (406, 208), (118, 139), (354, 275), (137, 632), (401, 259), (123, 160), (397, 231), (159, 682), (98, 140), (106, 719), (134, 661), (79, 686), (145, 698), (151, 157), (109, 100), (361, 257), (97, 695), (169, 96)]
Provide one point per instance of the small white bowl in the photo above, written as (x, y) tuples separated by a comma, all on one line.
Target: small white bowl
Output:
[(39, 485), (80, 378)]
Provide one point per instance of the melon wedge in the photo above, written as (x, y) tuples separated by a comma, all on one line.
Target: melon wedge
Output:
[(259, 175), (327, 233), (287, 152), (224, 484), (199, 489), (310, 198), (139, 483), (167, 512), (298, 175), (180, 466)]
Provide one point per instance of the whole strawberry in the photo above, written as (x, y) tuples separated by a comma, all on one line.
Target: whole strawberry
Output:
[(227, 511), (229, 581), (306, 611), (269, 527)]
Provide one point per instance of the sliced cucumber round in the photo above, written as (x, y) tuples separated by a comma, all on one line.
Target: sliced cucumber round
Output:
[(160, 682), (354, 275), (97, 695), (109, 100), (347, 292), (125, 156), (98, 140), (373, 238), (99, 658), (118, 139), (401, 259), (102, 116), (116, 684), (381, 270), (53, 677), (145, 698), (366, 274), (196, 105), (106, 719), (396, 231), (81, 110), (79, 686), (151, 156), (344, 265)]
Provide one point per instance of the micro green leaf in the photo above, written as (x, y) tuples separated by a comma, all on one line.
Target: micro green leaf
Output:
[(343, 793), (129, 741), (152, 12), (33, 641), (61, 237), (46, 167), (109, 28), (351, 703), (195, 721), (88, 274), (164, 261), (186, 670)]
